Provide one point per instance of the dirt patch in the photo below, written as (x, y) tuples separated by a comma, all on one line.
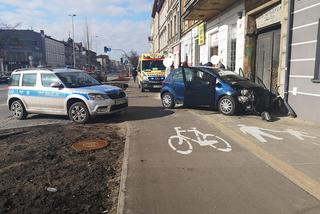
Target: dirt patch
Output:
[(41, 173)]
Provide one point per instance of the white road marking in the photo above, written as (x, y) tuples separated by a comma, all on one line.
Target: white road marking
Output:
[(260, 133), (184, 143)]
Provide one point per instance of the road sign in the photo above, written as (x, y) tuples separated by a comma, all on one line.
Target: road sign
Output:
[(106, 49)]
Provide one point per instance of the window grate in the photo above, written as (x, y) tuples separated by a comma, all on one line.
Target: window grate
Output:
[(233, 54)]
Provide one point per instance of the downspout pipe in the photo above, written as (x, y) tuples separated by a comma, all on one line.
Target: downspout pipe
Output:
[(288, 57)]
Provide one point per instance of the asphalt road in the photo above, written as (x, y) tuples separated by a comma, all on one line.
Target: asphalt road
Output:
[(203, 179)]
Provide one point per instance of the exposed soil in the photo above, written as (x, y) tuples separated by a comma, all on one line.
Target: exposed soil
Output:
[(34, 159)]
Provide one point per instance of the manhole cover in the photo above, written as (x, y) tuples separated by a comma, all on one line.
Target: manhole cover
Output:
[(90, 144)]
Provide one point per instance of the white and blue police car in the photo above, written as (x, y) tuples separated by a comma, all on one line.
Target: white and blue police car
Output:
[(62, 91)]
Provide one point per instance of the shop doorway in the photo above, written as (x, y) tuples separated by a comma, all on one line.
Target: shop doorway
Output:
[(267, 60)]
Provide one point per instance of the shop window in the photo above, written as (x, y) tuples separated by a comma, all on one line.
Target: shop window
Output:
[(317, 67)]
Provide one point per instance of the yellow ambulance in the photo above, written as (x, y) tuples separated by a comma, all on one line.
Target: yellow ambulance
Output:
[(151, 71)]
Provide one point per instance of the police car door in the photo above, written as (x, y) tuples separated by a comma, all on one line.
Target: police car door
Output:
[(52, 98), (28, 90)]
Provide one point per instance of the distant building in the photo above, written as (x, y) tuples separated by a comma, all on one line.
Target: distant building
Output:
[(21, 49), (104, 61), (55, 52)]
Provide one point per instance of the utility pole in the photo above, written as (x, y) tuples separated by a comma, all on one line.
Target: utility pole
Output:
[(73, 48)]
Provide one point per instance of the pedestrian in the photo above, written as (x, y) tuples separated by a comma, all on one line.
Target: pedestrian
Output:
[(208, 64), (221, 65), (134, 75), (169, 69), (185, 64)]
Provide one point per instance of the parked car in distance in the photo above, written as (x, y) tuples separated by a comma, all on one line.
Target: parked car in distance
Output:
[(207, 86), (4, 79), (62, 92)]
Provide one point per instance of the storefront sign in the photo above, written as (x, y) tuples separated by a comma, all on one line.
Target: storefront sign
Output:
[(201, 34), (270, 17)]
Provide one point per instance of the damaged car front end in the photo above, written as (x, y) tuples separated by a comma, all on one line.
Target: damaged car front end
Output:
[(251, 98)]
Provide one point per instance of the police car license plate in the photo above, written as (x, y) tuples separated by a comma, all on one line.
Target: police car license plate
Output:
[(120, 101), (157, 86)]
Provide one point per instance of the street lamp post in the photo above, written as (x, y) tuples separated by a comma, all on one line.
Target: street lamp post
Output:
[(73, 49)]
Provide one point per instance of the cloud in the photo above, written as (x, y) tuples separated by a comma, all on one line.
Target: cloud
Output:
[(123, 24)]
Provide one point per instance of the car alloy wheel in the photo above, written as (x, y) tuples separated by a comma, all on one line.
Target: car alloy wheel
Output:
[(167, 100), (227, 105), (78, 112), (18, 111)]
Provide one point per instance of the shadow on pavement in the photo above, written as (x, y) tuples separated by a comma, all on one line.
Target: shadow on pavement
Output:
[(47, 117), (134, 113)]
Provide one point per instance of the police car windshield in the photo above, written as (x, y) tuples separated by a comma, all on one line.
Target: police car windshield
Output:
[(149, 65), (77, 79)]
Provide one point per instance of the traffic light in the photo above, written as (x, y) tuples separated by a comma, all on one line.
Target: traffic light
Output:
[(121, 60)]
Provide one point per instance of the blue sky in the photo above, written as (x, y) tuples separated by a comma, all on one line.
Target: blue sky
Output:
[(121, 24)]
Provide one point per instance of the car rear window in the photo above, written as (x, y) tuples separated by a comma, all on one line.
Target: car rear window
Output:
[(14, 80), (29, 79), (178, 75)]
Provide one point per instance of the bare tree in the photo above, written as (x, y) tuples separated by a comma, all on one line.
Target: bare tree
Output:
[(133, 57), (5, 26)]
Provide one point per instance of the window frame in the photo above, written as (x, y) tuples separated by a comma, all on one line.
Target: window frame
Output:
[(176, 74), (10, 83), (316, 78), (35, 84), (47, 74)]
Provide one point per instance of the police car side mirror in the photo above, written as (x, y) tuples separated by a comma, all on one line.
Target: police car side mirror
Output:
[(56, 85)]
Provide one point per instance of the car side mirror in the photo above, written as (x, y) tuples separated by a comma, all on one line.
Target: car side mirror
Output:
[(56, 85)]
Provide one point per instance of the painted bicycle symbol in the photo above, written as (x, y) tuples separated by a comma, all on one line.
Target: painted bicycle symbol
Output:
[(182, 144)]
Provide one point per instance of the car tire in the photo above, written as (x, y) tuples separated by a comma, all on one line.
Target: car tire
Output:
[(18, 110), (227, 105), (167, 100), (79, 113)]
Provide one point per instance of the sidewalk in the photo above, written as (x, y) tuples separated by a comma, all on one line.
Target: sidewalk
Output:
[(292, 145)]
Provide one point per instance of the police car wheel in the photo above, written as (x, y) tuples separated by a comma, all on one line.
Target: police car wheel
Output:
[(18, 111), (78, 112)]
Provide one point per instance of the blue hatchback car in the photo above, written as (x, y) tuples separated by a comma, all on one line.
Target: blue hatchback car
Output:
[(207, 86)]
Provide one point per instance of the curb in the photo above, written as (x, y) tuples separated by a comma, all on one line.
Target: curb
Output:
[(124, 173)]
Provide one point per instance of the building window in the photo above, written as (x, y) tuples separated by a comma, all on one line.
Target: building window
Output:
[(233, 47), (317, 67), (175, 25), (233, 54)]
